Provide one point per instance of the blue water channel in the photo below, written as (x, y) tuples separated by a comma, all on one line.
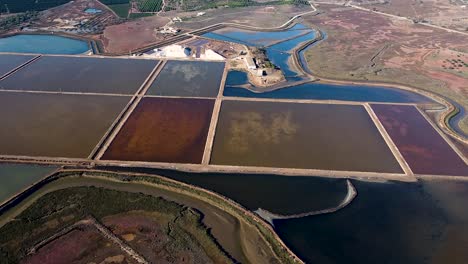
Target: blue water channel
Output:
[(43, 44), (257, 38), (454, 122), (283, 43), (322, 91)]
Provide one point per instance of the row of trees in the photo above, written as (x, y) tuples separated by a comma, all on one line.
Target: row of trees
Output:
[(149, 5), (9, 22)]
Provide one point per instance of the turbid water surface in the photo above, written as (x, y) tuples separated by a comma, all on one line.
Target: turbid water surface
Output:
[(16, 177), (55, 125), (81, 74), (295, 135), (188, 78), (9, 62)]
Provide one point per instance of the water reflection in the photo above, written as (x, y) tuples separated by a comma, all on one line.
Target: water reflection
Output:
[(322, 91), (422, 222)]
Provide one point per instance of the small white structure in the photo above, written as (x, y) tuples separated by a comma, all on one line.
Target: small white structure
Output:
[(200, 14), (176, 19), (168, 30), (260, 72), (211, 55), (250, 63), (172, 51)]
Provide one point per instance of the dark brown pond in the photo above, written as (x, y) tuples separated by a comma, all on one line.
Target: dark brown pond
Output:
[(290, 135), (422, 147), (8, 62), (55, 125), (164, 130), (188, 78), (81, 74)]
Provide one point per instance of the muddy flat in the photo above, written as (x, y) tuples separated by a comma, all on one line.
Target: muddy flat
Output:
[(55, 125), (422, 147), (188, 78), (81, 74), (164, 130), (8, 62), (308, 136)]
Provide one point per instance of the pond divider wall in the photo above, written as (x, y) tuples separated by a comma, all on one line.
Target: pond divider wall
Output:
[(19, 67), (214, 120), (98, 152)]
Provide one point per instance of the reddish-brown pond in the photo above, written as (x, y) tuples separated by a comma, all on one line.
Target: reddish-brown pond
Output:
[(420, 144), (164, 130)]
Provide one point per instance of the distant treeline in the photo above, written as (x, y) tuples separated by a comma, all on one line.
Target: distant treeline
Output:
[(114, 2), (17, 6), (191, 5), (16, 20)]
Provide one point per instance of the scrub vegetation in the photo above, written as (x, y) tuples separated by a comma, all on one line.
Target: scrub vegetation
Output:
[(181, 226), (12, 21), (114, 201)]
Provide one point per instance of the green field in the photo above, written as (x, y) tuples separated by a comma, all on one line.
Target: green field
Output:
[(138, 15), (192, 5), (120, 9)]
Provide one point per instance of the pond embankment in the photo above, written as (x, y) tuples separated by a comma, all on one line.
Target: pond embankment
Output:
[(271, 217)]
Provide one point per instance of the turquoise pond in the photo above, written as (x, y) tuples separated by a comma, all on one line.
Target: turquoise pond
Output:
[(43, 44), (93, 11)]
